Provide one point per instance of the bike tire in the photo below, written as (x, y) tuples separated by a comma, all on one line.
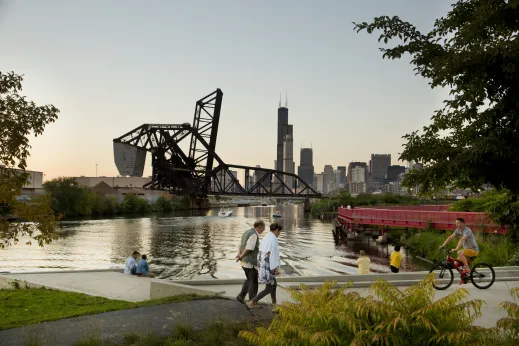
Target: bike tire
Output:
[(474, 274), (442, 268)]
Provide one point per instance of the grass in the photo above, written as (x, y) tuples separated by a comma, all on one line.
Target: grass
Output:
[(20, 307), (219, 333)]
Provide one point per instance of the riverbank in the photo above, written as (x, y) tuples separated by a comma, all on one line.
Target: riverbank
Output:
[(496, 250)]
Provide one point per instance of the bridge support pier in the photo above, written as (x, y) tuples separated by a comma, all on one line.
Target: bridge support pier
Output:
[(306, 205), (197, 202)]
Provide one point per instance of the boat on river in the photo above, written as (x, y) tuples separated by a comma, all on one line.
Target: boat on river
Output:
[(225, 212), (277, 215)]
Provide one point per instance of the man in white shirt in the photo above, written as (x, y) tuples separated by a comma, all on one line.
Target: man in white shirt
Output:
[(248, 255), (130, 266)]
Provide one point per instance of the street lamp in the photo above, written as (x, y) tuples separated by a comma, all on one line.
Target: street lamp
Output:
[(96, 170)]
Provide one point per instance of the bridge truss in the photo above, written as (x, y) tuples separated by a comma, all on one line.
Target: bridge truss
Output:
[(200, 171)]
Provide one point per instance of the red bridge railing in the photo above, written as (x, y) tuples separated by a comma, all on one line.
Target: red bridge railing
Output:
[(419, 217)]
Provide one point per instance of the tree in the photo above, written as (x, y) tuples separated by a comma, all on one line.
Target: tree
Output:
[(473, 51), (19, 118), (70, 199)]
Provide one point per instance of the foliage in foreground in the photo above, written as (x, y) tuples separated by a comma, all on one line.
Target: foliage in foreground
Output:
[(20, 307), (18, 119), (472, 51), (509, 326), (411, 317)]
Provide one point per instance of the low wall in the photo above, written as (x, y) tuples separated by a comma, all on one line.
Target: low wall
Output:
[(169, 289)]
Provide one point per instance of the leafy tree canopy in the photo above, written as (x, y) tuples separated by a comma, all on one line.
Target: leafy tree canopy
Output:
[(19, 118), (473, 52)]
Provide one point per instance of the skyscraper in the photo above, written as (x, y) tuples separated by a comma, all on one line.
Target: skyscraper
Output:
[(378, 167), (342, 176), (284, 129), (288, 160), (306, 166), (357, 164), (330, 177)]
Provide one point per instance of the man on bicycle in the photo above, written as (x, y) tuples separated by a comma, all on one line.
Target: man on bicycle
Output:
[(468, 240)]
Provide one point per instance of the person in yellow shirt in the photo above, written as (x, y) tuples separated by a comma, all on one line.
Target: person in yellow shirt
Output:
[(363, 263), (394, 261)]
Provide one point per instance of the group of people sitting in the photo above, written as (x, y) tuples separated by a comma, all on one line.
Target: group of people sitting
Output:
[(141, 268)]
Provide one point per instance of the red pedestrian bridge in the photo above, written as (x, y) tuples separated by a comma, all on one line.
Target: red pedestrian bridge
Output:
[(418, 216)]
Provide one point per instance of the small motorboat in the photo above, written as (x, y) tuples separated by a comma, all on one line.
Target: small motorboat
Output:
[(277, 214), (264, 204), (225, 213)]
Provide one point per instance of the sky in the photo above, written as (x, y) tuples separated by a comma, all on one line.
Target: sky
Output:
[(110, 66)]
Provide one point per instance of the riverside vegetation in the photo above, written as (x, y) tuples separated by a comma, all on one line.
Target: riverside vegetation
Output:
[(70, 199)]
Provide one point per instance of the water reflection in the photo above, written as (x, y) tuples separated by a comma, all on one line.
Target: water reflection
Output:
[(197, 245)]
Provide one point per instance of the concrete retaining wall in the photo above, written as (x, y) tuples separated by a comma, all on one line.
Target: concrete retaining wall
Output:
[(168, 289), (7, 283)]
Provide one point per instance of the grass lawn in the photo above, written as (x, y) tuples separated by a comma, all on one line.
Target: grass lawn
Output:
[(22, 307)]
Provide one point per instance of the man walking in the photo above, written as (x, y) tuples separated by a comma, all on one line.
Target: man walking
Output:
[(248, 255)]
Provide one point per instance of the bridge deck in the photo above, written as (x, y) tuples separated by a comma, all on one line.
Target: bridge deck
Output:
[(418, 216)]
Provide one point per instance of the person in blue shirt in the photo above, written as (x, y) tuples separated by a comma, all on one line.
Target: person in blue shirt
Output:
[(143, 269)]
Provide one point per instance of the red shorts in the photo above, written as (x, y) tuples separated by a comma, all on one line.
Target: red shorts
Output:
[(139, 274)]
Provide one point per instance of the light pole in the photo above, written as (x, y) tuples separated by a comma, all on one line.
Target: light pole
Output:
[(96, 170)]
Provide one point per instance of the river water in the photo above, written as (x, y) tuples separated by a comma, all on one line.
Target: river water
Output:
[(198, 245)]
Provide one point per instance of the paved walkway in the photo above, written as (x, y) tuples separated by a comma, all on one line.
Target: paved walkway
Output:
[(498, 293), (108, 284), (113, 326)]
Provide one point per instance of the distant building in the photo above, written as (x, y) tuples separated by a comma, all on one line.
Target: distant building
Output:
[(394, 171), (113, 181), (34, 183), (357, 164), (226, 182), (342, 175), (330, 177), (321, 183), (358, 174), (357, 188), (288, 160), (305, 170), (378, 167)]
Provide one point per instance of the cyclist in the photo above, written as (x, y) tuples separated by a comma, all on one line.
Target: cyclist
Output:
[(468, 240)]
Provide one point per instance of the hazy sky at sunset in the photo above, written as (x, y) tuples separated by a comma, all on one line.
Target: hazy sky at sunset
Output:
[(110, 66)]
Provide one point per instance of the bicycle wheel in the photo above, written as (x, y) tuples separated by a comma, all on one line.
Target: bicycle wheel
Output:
[(443, 276), (482, 275)]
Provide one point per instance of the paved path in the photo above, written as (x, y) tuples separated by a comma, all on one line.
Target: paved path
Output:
[(113, 326), (498, 293), (108, 284)]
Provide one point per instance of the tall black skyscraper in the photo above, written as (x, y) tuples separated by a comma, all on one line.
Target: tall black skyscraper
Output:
[(378, 167), (284, 129), (306, 167)]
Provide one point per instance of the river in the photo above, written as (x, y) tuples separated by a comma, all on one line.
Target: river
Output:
[(198, 245)]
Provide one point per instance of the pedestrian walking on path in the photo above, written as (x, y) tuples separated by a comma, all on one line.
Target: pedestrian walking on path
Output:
[(269, 262), (248, 255)]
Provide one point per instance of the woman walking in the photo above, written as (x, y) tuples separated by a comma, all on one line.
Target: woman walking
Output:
[(269, 262)]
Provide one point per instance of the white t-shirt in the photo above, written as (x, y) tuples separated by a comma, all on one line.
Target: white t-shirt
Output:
[(129, 265)]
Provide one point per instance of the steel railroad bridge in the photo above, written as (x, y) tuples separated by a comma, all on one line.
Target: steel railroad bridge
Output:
[(199, 171)]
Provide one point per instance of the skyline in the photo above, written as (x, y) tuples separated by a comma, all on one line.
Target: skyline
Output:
[(149, 63)]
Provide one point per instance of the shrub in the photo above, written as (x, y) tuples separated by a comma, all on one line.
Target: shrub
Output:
[(162, 204), (412, 317), (509, 326), (134, 204)]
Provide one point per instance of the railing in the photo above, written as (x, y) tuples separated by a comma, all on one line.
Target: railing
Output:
[(411, 217), (411, 207)]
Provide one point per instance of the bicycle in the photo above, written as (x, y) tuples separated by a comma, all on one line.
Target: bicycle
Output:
[(478, 272)]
